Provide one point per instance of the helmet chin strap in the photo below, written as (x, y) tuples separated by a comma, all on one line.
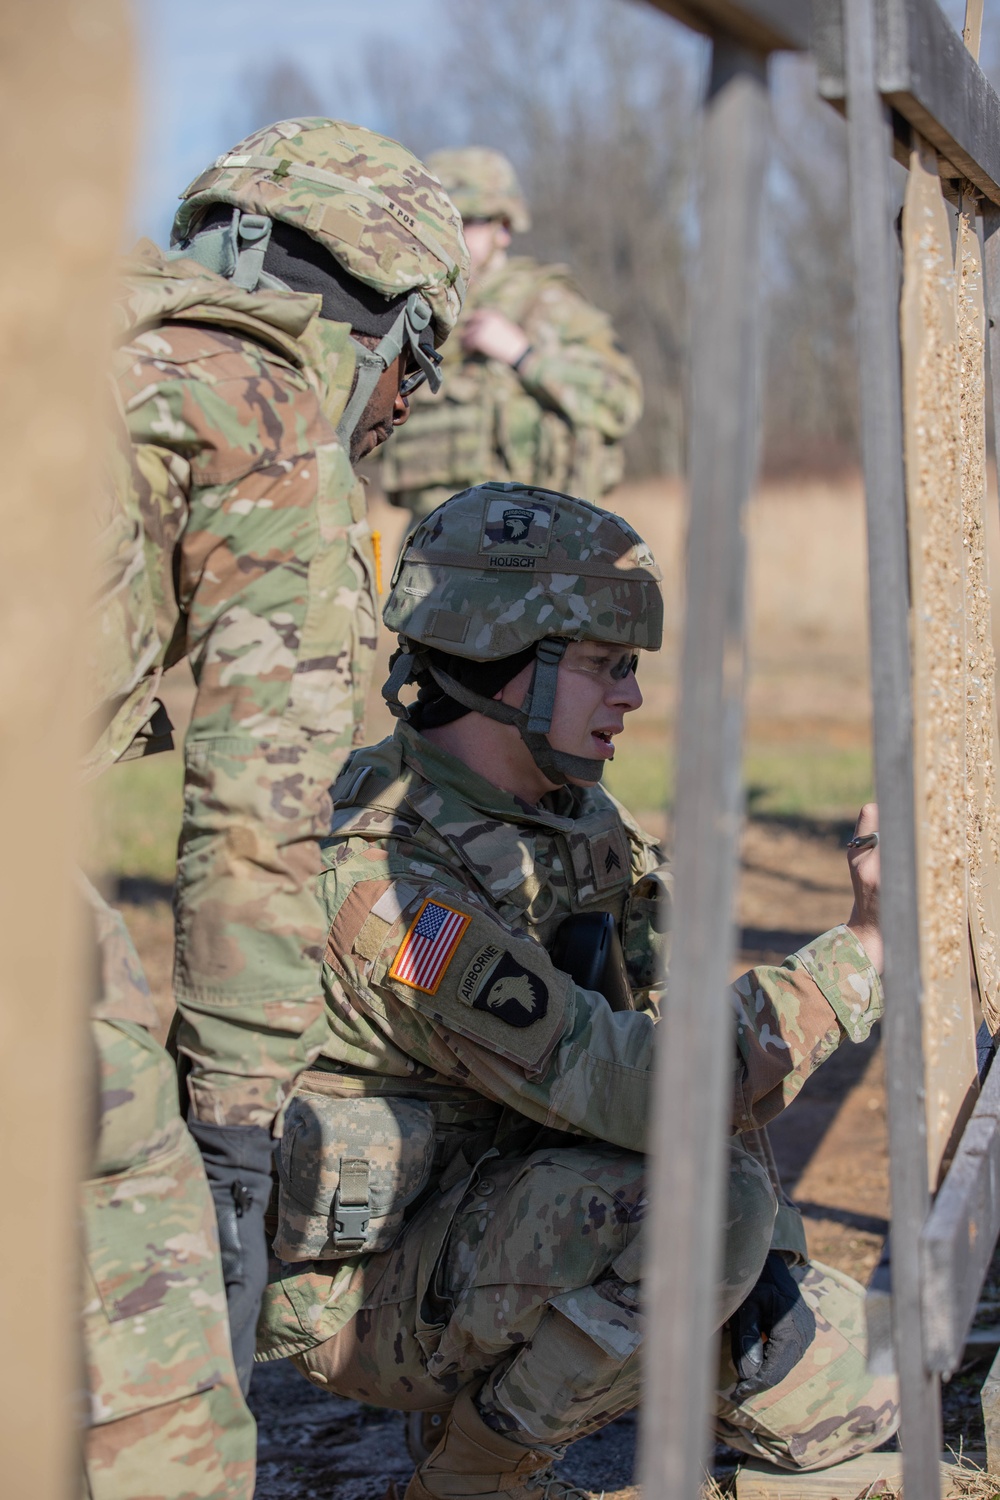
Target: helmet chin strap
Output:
[(405, 333), (236, 250), (532, 721)]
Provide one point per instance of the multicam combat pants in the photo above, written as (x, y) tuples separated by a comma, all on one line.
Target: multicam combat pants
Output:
[(524, 1283), (167, 1418)]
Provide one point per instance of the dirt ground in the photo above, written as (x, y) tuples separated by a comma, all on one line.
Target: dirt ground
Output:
[(808, 686)]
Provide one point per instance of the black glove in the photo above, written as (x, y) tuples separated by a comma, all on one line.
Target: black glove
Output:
[(238, 1165), (771, 1331)]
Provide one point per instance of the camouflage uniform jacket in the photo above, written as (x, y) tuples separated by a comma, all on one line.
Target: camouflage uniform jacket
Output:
[(557, 421), (470, 1007), (257, 556)]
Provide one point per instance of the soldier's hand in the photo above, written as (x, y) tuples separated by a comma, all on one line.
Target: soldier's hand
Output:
[(238, 1166), (489, 332), (771, 1331), (863, 860)]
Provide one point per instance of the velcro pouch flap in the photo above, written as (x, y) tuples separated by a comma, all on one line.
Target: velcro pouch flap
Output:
[(347, 1172)]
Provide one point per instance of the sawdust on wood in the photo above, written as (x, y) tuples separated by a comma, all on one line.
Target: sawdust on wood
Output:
[(983, 814), (932, 410)]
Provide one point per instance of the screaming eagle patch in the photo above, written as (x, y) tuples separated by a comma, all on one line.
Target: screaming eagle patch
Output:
[(505, 989), (515, 535)]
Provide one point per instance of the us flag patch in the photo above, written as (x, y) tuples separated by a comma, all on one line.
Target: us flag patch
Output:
[(429, 946)]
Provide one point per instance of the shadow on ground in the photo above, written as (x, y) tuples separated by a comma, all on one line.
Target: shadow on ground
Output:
[(313, 1446)]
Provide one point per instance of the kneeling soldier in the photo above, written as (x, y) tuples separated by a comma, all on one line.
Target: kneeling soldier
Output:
[(462, 1174)]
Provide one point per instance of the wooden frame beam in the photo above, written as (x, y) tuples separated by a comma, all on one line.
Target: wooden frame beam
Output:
[(927, 74), (876, 277), (893, 64), (923, 68), (956, 1244), (764, 25)]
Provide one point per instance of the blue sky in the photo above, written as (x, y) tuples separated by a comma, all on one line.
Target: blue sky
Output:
[(193, 58)]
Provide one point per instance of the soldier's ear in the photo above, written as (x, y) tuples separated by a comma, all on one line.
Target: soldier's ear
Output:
[(514, 692)]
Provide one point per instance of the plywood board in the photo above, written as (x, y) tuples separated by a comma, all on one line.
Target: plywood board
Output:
[(870, 1474), (932, 430), (982, 737)]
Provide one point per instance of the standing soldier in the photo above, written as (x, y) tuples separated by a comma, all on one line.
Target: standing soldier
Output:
[(317, 268), (537, 388), (462, 1175)]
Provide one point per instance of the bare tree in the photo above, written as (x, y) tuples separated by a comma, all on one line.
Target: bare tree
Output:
[(811, 395), (595, 102)]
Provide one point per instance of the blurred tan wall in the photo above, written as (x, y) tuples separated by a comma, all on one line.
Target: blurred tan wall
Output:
[(64, 122)]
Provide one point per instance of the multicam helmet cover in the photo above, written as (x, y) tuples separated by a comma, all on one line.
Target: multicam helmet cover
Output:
[(501, 567), (482, 184), (366, 199)]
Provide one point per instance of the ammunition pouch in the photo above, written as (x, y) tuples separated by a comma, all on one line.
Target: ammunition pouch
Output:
[(357, 1156)]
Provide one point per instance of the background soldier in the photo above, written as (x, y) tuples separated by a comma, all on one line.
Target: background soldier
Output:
[(462, 1173), (236, 536), (537, 389)]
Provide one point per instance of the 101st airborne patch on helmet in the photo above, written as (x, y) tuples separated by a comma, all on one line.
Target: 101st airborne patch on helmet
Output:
[(515, 535)]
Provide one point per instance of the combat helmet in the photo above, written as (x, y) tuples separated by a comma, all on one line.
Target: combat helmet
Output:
[(367, 201), (502, 569), (482, 184)]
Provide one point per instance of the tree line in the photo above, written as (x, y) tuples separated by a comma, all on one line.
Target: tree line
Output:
[(596, 101)]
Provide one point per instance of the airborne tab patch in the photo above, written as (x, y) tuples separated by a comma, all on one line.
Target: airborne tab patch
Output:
[(429, 946)]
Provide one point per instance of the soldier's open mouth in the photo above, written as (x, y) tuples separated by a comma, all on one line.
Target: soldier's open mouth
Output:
[(604, 737)]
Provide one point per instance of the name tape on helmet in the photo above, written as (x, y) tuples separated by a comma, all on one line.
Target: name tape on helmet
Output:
[(615, 570), (283, 167)]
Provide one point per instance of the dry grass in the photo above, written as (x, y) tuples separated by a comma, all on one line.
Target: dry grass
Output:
[(968, 1480), (961, 1480)]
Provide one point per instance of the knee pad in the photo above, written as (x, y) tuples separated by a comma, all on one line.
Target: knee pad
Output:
[(828, 1408)]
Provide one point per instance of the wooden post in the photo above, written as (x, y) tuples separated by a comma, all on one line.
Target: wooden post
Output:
[(64, 68), (990, 1399), (972, 31), (694, 1057), (877, 287)]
